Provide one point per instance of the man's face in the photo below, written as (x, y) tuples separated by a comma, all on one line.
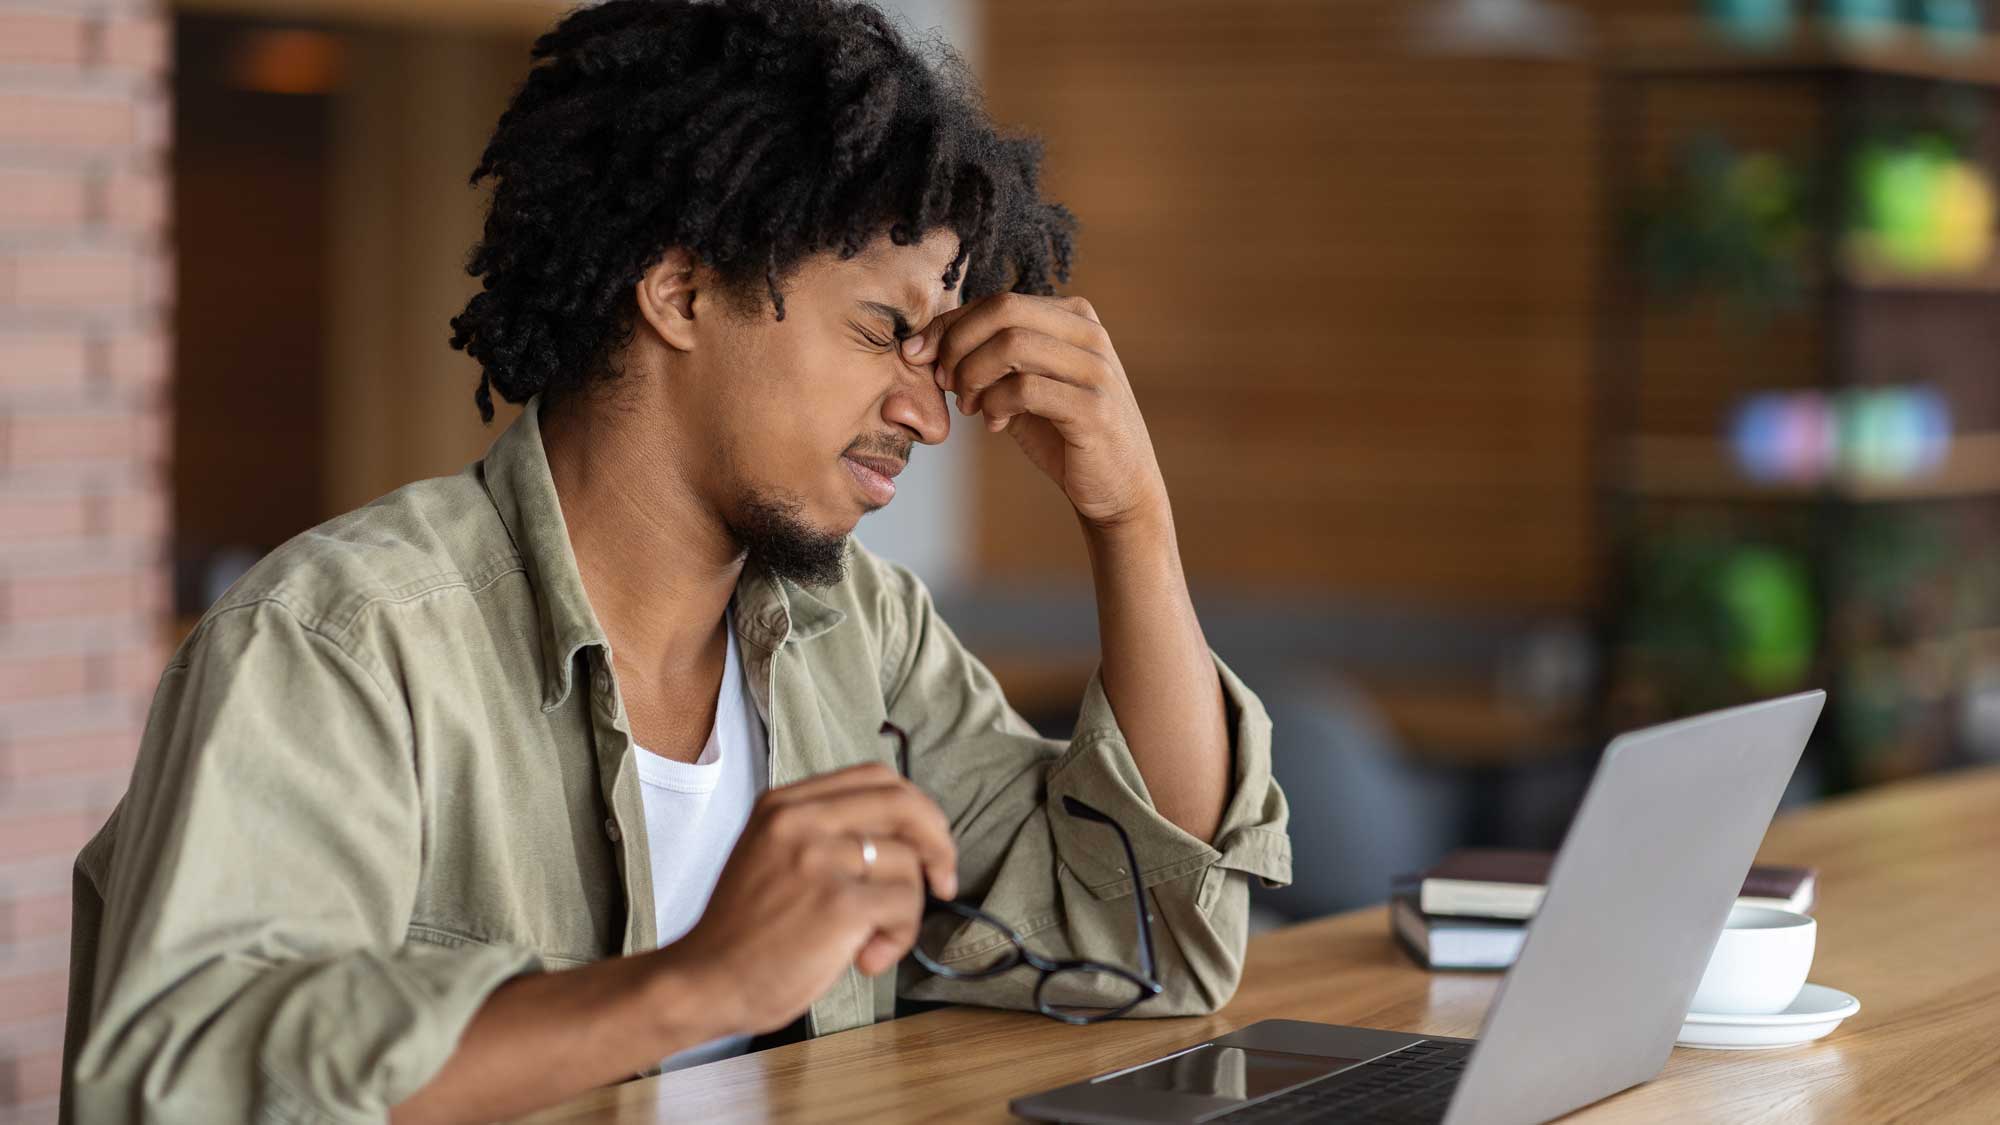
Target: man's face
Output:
[(812, 417)]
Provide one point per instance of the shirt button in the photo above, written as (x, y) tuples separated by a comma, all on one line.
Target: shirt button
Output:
[(611, 830)]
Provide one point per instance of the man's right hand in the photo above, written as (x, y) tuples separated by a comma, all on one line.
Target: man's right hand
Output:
[(791, 912), (794, 906)]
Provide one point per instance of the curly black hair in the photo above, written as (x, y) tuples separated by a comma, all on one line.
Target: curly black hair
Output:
[(752, 133)]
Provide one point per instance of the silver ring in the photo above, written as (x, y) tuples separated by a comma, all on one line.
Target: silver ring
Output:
[(867, 856)]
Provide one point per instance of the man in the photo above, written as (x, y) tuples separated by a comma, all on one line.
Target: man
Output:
[(613, 749)]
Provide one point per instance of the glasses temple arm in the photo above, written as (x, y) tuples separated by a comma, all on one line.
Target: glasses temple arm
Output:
[(1077, 808)]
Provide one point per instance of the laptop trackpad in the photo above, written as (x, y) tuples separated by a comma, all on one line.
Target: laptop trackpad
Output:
[(1227, 1072)]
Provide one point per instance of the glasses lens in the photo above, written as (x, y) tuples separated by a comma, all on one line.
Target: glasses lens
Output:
[(957, 946), (1084, 995)]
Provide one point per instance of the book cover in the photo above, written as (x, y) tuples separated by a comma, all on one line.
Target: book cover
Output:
[(1508, 884), (1453, 943)]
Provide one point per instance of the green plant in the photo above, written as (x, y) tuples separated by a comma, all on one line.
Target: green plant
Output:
[(1729, 221)]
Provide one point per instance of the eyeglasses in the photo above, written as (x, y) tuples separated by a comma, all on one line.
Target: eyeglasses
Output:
[(1073, 991)]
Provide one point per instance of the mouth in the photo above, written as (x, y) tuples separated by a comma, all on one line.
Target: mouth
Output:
[(875, 475)]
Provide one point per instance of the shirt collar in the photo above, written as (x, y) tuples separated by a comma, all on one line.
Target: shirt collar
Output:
[(770, 610)]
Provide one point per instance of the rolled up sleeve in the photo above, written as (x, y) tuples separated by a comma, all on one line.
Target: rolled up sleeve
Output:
[(252, 962), (1097, 769), (1059, 880)]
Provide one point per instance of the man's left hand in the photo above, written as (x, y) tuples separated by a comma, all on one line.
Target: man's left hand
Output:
[(1043, 369)]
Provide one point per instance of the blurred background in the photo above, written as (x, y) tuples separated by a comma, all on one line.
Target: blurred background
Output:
[(1522, 371)]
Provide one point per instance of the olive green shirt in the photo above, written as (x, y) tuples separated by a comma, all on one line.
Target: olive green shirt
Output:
[(391, 769)]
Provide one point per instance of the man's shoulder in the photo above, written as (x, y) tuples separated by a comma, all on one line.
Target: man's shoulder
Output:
[(427, 536)]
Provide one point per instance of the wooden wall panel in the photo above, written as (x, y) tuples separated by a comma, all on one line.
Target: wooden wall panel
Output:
[(1352, 286), (399, 399)]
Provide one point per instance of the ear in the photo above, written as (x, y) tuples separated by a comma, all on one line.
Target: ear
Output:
[(666, 298)]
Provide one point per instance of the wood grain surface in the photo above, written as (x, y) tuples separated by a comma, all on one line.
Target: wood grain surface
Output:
[(1908, 923)]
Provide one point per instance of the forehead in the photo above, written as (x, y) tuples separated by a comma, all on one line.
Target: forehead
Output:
[(911, 277)]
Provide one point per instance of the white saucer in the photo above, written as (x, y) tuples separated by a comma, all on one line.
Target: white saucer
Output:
[(1816, 1011)]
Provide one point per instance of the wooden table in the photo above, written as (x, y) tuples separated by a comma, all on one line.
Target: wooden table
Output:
[(1910, 924)]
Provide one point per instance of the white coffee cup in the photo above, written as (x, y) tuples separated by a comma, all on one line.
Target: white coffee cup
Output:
[(1759, 964)]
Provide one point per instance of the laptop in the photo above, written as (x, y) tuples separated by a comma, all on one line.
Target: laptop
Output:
[(1636, 900)]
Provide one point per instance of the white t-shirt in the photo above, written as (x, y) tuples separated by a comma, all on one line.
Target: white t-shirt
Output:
[(694, 813)]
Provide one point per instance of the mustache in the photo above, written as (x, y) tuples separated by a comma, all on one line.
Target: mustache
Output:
[(897, 446)]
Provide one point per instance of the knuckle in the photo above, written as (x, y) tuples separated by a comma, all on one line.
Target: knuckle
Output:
[(809, 853), (802, 861)]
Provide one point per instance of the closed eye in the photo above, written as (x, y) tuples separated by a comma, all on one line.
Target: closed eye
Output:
[(887, 314)]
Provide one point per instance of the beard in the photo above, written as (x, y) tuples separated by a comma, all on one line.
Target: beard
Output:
[(770, 526), (773, 532)]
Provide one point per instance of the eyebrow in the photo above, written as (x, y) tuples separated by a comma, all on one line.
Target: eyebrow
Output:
[(895, 316)]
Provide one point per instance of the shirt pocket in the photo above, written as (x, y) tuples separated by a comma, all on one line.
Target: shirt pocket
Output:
[(449, 938)]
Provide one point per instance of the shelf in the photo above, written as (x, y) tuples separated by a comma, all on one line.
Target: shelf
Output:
[(1875, 279), (1693, 468), (1980, 640), (1691, 49), (1981, 644)]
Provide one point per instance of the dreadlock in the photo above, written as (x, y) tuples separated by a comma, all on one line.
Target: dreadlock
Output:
[(753, 133)]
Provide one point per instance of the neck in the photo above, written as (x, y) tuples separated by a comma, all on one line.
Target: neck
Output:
[(657, 561)]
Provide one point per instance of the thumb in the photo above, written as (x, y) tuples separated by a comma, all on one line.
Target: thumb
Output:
[(878, 954)]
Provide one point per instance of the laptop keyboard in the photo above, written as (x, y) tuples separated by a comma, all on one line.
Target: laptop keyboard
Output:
[(1411, 1085)]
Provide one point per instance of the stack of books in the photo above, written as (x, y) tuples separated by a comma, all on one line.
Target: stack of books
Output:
[(1471, 910)]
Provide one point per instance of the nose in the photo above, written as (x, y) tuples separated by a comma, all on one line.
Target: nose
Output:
[(916, 404)]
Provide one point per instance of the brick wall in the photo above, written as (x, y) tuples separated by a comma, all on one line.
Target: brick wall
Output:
[(85, 292)]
